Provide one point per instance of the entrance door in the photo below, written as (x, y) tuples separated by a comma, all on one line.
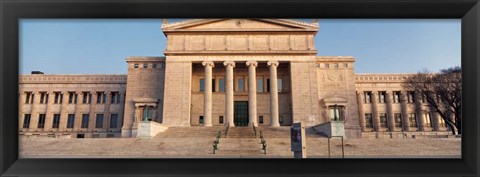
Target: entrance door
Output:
[(240, 117)]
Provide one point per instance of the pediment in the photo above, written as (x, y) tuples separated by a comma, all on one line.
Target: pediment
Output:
[(240, 25)]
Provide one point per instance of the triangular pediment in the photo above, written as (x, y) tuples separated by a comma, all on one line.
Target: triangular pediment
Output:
[(241, 25)]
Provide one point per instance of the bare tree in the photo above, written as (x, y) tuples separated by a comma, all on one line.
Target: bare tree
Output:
[(443, 93)]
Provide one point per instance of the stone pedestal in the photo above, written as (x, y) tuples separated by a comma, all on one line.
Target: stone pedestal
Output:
[(147, 130), (332, 128)]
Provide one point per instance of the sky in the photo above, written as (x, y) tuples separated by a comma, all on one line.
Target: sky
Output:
[(100, 46)]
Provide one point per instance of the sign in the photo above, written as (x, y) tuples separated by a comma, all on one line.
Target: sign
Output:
[(298, 141)]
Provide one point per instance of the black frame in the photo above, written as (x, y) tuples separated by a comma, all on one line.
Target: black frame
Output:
[(11, 11)]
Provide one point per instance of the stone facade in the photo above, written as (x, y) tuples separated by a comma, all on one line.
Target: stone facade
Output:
[(219, 72)]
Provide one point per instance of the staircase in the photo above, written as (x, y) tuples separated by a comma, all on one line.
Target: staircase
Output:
[(240, 142)]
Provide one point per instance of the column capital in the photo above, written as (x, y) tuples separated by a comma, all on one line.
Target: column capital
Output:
[(253, 63), (231, 63), (273, 63), (208, 63)]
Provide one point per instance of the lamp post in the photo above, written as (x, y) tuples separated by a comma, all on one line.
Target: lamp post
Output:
[(335, 109)]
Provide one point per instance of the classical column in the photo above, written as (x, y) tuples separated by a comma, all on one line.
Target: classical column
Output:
[(376, 118), (390, 116), (78, 114), (404, 107), (252, 92), (34, 113), (207, 105), (273, 94), (361, 114), (418, 110), (48, 112), (93, 112), (62, 125), (106, 110), (229, 92)]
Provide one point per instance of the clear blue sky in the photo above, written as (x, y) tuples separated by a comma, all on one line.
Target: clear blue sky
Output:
[(101, 46)]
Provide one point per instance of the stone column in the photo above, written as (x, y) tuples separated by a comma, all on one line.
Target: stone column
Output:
[(252, 92), (48, 112), (361, 113), (78, 113), (273, 94), (106, 110), (390, 116), (229, 92), (375, 117), (418, 110), (62, 125), (34, 113), (404, 107), (92, 116), (207, 105)]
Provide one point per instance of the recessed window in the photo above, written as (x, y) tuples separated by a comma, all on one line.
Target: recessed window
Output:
[(58, 98), (56, 121), (145, 65), (335, 65), (345, 65), (280, 85), (268, 85), (336, 113), (381, 97), (29, 97), (85, 118), (200, 120), (368, 120), (427, 120), (221, 85), (115, 98), (101, 97), (398, 119), (326, 65), (220, 120), (202, 85), (260, 119), (43, 97), (280, 119), (412, 119), (410, 96), (135, 65), (26, 121), (154, 65), (87, 97), (396, 97), (367, 97), (442, 122), (240, 84), (41, 121), (213, 85), (72, 97), (259, 84), (70, 120), (383, 120), (99, 121), (113, 120)]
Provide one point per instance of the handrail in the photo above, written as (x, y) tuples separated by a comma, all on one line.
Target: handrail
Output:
[(263, 142), (343, 149), (216, 141), (254, 131)]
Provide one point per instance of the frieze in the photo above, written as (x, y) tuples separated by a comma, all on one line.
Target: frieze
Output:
[(73, 79)]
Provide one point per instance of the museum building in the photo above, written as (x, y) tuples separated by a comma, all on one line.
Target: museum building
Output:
[(227, 72)]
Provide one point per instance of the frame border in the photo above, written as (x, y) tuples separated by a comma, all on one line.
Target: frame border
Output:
[(13, 10)]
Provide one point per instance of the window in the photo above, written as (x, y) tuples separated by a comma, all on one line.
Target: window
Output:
[(115, 99), (200, 120), (58, 98), (396, 97), (87, 98), (113, 120), (383, 120), (213, 85), (26, 121), (280, 119), (260, 119), (381, 97), (345, 65), (424, 98), (29, 97), (336, 113), (99, 121), (220, 120), (367, 97), (43, 97), (368, 120), (145, 65), (135, 65), (268, 85), (411, 96), (413, 119), (101, 97), (427, 120), (327, 65), (154, 65), (202, 85), (335, 65), (41, 121), (240, 84), (72, 97), (442, 122), (70, 120), (85, 118), (398, 119), (56, 121), (280, 85), (259, 84), (221, 85)]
